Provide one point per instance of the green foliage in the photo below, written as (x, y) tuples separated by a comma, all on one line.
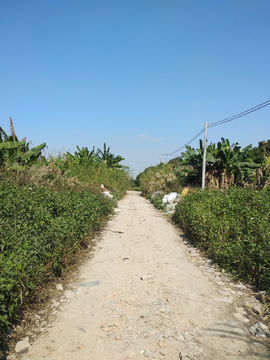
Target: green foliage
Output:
[(83, 156), (258, 154), (223, 158), (157, 202), (3, 135), (14, 152), (89, 167), (48, 212), (114, 179), (232, 227), (110, 159), (40, 230)]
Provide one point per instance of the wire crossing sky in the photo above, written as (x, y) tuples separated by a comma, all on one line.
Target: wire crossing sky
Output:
[(140, 75), (221, 122)]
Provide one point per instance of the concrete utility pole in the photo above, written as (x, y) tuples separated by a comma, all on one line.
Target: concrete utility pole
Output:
[(204, 156), (161, 158)]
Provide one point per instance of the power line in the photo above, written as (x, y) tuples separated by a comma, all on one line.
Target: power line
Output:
[(255, 108), (189, 142), (231, 118)]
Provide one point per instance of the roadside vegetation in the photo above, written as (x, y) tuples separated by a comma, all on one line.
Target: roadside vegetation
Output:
[(50, 210), (230, 220), (233, 228), (162, 177)]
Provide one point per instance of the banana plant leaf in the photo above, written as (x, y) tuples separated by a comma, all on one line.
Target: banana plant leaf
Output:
[(11, 144), (3, 135), (34, 152), (210, 158), (13, 157)]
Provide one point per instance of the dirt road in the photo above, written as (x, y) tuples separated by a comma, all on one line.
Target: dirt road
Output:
[(147, 294)]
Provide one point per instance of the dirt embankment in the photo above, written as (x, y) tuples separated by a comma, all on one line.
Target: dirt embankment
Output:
[(146, 293)]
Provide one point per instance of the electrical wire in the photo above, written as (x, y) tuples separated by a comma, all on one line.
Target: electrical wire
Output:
[(221, 122), (189, 142), (255, 108)]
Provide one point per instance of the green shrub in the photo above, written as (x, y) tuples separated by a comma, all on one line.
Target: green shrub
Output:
[(40, 230), (157, 202), (233, 228)]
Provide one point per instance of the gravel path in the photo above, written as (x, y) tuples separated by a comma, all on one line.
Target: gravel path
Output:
[(146, 293)]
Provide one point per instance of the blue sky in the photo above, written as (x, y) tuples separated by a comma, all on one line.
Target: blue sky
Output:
[(141, 75)]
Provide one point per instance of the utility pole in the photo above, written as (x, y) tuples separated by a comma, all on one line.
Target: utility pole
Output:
[(204, 156), (161, 158)]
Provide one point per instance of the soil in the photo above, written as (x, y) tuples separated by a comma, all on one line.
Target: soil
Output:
[(147, 293)]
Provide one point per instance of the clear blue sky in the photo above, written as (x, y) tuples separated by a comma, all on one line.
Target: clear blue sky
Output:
[(141, 75)]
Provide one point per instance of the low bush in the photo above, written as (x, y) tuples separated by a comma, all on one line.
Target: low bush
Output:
[(40, 230), (157, 201), (233, 228)]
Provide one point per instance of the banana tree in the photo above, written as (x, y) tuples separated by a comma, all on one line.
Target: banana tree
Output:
[(234, 160), (17, 152), (110, 159), (192, 160), (82, 156), (14, 152), (9, 151)]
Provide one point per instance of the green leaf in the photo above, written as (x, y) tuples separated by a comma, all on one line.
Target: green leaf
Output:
[(13, 157), (210, 158), (34, 152), (11, 144)]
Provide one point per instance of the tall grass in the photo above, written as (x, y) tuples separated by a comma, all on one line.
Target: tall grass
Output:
[(159, 178), (115, 180)]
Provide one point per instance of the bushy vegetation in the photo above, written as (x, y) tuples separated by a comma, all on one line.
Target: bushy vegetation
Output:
[(158, 178), (229, 221), (114, 179), (258, 154), (50, 209), (233, 228), (157, 201), (17, 153), (40, 231), (224, 157), (226, 164)]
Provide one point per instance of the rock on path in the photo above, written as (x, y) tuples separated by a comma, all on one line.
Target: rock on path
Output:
[(146, 294)]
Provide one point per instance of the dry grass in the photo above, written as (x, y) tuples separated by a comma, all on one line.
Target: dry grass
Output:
[(159, 178), (12, 130)]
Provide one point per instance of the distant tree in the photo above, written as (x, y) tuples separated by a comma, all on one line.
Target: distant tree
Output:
[(223, 157), (110, 159), (258, 154), (82, 156)]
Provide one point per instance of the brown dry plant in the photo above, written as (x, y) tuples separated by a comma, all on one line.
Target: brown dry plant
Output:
[(12, 130)]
